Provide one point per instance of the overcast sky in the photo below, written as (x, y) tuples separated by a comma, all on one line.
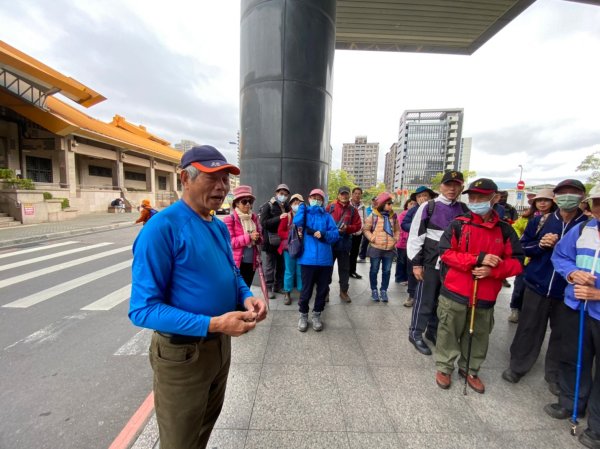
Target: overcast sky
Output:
[(531, 94)]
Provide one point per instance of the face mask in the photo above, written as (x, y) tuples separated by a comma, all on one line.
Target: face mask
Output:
[(480, 208), (295, 207), (568, 201), (282, 198), (315, 202)]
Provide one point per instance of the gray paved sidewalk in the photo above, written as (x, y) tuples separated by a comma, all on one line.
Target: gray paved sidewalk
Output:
[(82, 224), (360, 384)]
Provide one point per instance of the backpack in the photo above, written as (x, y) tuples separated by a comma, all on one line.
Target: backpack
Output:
[(152, 211)]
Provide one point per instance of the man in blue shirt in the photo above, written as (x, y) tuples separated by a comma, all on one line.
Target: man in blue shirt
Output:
[(186, 286)]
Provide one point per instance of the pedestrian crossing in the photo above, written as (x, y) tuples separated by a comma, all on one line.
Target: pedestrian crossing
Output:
[(47, 279)]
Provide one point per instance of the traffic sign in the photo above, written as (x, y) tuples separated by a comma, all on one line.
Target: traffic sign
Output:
[(520, 196), (521, 185)]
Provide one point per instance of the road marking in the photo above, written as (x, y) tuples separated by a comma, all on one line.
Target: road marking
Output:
[(51, 292), (37, 248), (62, 266), (50, 332), (134, 425), (111, 300), (51, 256), (137, 345)]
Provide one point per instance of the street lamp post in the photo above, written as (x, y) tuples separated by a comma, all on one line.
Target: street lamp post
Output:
[(523, 192), (521, 174)]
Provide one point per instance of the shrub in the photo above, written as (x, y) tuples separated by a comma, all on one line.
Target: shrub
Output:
[(65, 203), (47, 196)]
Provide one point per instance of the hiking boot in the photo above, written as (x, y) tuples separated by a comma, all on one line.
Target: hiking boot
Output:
[(316, 322), (514, 316), (554, 388), (287, 299), (375, 295), (303, 322), (556, 411), (590, 439), (510, 376), (420, 346), (409, 302), (383, 295), (443, 380), (474, 381), (344, 297)]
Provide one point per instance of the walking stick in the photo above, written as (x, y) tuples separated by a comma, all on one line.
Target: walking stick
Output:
[(471, 331), (573, 421), (261, 275)]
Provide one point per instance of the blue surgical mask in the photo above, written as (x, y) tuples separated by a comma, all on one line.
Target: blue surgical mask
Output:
[(295, 207), (315, 202), (282, 198), (480, 208)]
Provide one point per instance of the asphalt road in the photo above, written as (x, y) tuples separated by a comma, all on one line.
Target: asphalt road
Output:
[(73, 369)]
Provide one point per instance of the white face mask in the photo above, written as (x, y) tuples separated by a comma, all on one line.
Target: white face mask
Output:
[(315, 202), (295, 207), (282, 198)]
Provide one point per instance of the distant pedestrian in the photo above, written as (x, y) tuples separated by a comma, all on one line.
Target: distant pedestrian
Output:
[(146, 212), (245, 232), (356, 201), (382, 231), (292, 273), (316, 263), (186, 287), (477, 251)]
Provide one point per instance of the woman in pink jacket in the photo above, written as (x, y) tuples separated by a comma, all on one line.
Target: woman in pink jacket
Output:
[(245, 232)]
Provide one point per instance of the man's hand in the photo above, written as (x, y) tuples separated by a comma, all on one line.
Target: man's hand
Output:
[(587, 293), (418, 272), (491, 260), (580, 277), (257, 306), (549, 240), (233, 323), (481, 272), (317, 234)]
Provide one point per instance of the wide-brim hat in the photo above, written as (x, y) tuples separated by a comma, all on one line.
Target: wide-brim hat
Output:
[(282, 187), (383, 197), (594, 192), (421, 189), (484, 186), (242, 192), (546, 194), (297, 196), (317, 192), (207, 159)]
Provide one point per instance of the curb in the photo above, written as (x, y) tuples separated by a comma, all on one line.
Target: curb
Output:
[(62, 234)]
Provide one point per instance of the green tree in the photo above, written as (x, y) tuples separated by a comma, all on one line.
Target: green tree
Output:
[(591, 163), (337, 179), (437, 179), (372, 192)]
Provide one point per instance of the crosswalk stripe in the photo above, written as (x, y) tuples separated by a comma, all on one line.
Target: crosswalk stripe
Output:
[(51, 256), (137, 345), (51, 292), (111, 300), (37, 248), (63, 266)]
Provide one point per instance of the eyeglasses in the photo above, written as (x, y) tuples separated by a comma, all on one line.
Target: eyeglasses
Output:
[(389, 203), (247, 201)]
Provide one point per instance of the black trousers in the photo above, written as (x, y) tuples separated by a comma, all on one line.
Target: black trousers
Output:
[(343, 263), (516, 300), (531, 330), (589, 384), (412, 280), (424, 313), (356, 240), (247, 272), (314, 275), (364, 244), (274, 271)]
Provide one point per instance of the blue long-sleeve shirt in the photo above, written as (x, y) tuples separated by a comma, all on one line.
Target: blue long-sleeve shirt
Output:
[(183, 273)]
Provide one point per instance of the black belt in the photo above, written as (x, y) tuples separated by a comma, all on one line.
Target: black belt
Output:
[(176, 339)]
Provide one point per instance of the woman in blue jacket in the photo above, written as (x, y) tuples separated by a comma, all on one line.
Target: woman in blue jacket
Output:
[(316, 263)]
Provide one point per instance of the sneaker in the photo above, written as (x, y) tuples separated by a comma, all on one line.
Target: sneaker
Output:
[(303, 322), (383, 296), (375, 295), (355, 276), (590, 439), (443, 380), (361, 260), (473, 381), (287, 299), (514, 316), (316, 322), (409, 302), (345, 297), (556, 411)]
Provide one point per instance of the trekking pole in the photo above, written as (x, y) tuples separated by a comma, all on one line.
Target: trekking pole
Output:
[(471, 331), (573, 421), (261, 275)]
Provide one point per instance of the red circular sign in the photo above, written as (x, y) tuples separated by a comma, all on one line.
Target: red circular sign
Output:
[(521, 185)]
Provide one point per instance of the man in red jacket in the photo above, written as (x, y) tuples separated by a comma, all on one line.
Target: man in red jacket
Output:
[(348, 222), (478, 251)]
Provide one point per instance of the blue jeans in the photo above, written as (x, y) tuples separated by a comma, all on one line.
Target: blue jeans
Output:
[(292, 270), (387, 269)]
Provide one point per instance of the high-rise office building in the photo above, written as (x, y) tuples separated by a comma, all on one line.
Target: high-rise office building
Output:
[(390, 166), (360, 160), (428, 143), (465, 154), (185, 145)]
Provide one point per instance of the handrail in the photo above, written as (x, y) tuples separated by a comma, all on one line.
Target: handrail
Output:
[(17, 202)]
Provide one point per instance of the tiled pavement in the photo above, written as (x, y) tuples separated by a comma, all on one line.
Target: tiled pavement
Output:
[(360, 384)]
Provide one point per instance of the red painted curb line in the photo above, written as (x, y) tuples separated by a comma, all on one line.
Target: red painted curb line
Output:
[(134, 425)]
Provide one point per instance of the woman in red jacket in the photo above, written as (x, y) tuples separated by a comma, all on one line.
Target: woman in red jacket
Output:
[(245, 232)]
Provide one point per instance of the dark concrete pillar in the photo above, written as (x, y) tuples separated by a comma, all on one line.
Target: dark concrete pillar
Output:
[(286, 66)]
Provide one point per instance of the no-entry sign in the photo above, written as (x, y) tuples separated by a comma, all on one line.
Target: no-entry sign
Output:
[(521, 185)]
